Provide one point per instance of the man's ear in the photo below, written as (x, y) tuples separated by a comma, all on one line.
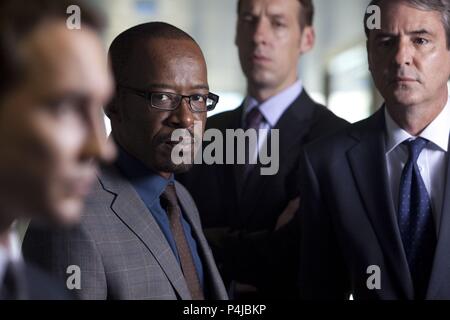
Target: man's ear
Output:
[(307, 40)]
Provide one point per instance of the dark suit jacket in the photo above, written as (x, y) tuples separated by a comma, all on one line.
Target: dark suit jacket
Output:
[(43, 287), (250, 210), (120, 249), (34, 284), (349, 222)]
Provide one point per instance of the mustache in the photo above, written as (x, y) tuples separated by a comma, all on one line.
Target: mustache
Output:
[(178, 135)]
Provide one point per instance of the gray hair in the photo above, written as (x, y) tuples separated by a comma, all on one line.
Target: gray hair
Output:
[(442, 6)]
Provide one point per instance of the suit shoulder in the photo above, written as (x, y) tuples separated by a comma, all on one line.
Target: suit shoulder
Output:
[(224, 120), (336, 144), (310, 119), (325, 121), (323, 113)]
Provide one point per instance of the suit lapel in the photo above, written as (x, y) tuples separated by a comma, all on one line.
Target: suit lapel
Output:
[(368, 164), (292, 125), (236, 171), (440, 274), (128, 206), (213, 283)]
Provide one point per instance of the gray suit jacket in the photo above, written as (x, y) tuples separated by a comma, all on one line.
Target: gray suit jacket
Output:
[(120, 249)]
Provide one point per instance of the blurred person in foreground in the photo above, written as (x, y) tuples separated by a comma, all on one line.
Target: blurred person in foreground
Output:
[(53, 84)]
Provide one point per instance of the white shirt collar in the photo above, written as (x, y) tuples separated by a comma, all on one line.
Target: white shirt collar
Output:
[(436, 132), (10, 253), (274, 107)]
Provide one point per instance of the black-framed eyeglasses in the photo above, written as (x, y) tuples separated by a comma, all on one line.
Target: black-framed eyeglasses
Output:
[(169, 101)]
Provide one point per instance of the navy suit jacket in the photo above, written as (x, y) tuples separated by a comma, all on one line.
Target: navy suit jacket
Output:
[(34, 284), (349, 223), (251, 252)]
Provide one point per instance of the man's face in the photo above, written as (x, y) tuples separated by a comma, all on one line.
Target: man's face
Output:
[(51, 126), (160, 65), (270, 42), (408, 57)]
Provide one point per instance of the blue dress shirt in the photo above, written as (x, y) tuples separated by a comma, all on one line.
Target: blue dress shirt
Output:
[(149, 185)]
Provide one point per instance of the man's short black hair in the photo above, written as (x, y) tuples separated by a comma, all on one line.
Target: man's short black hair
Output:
[(124, 43), (18, 18)]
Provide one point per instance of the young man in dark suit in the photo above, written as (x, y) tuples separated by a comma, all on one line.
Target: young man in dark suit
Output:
[(52, 87), (244, 212), (376, 212)]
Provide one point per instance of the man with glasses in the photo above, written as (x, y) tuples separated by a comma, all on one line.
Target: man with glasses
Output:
[(141, 236)]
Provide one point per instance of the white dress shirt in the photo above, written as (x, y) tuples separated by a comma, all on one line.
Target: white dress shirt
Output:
[(9, 253), (431, 162)]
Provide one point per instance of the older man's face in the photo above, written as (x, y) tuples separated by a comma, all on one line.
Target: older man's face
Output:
[(408, 57), (51, 125), (161, 65)]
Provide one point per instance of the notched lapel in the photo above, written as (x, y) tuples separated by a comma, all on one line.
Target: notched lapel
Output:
[(213, 282), (293, 126), (368, 165), (132, 211)]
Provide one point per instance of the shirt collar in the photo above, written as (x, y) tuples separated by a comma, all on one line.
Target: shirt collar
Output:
[(148, 183), (437, 131), (12, 251), (273, 108), (9, 253)]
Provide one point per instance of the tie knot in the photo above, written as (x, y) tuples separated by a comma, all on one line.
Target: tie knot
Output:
[(415, 147), (253, 119), (170, 196)]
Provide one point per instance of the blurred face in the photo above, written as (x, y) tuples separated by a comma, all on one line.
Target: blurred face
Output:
[(270, 43), (161, 65), (408, 57), (51, 125)]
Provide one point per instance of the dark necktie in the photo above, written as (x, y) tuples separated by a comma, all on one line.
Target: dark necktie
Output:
[(253, 120), (12, 285), (170, 201), (416, 220)]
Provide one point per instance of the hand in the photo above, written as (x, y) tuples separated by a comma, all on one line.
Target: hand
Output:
[(288, 213)]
